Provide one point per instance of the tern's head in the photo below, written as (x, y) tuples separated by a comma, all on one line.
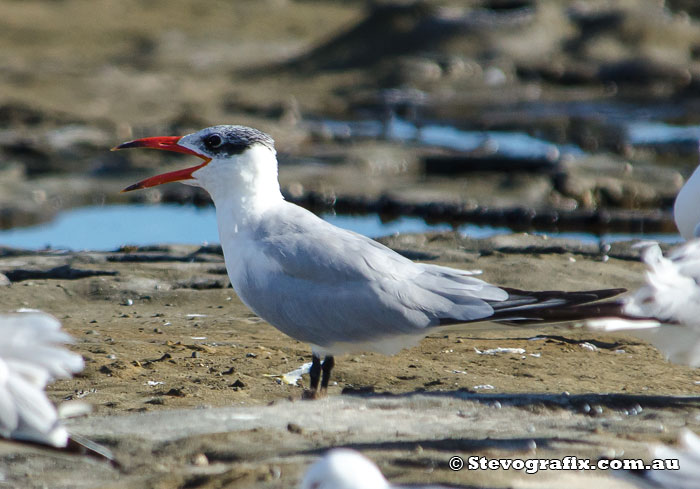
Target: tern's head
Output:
[(233, 155), (344, 469)]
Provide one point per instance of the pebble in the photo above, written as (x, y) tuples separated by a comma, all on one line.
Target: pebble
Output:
[(200, 460), (608, 453), (275, 472)]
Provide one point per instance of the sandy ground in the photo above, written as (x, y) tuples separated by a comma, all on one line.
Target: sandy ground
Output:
[(182, 378), (160, 329)]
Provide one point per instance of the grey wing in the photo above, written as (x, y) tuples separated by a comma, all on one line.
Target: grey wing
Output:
[(333, 285)]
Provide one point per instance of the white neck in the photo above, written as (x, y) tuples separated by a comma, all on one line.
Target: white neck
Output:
[(242, 187)]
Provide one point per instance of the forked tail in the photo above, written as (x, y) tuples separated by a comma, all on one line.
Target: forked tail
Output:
[(552, 306)]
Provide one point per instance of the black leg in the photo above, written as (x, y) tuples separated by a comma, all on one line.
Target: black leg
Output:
[(328, 364), (315, 372)]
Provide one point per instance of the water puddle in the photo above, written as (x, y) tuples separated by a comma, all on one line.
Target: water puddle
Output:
[(109, 227), (646, 130), (650, 133), (512, 145)]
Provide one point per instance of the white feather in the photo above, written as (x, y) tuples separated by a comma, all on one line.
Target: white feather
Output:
[(671, 296), (343, 469), (688, 456), (30, 357)]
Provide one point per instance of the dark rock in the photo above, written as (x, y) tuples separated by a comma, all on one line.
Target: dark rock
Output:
[(64, 272), (203, 283), (176, 392)]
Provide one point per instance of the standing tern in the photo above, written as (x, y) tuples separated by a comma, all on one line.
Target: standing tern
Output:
[(337, 290)]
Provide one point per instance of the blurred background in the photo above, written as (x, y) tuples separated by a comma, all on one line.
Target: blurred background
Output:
[(574, 117)]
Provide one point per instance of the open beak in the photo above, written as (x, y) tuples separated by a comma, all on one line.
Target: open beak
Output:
[(166, 143)]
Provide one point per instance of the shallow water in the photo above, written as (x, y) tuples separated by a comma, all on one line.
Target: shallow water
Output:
[(649, 133), (641, 126), (516, 145), (109, 227)]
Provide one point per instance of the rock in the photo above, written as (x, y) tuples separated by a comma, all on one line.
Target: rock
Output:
[(64, 272)]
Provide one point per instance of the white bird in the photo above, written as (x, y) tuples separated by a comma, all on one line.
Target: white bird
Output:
[(670, 300), (342, 468), (30, 357), (681, 466), (688, 456), (337, 290), (686, 211)]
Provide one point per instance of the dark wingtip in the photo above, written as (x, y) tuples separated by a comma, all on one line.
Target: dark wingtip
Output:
[(606, 293)]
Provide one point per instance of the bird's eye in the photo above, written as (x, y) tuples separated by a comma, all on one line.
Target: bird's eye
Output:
[(213, 141)]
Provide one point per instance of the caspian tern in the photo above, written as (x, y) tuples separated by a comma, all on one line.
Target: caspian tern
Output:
[(30, 357), (337, 290)]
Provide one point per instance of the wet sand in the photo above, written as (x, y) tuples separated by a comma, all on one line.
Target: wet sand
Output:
[(161, 331)]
